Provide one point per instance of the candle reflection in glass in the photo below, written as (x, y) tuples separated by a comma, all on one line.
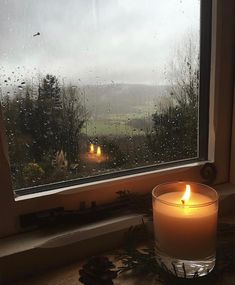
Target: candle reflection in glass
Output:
[(95, 154), (92, 149), (98, 152)]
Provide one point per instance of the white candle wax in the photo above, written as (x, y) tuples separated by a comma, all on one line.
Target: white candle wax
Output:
[(185, 231)]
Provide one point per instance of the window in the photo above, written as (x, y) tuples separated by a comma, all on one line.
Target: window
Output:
[(93, 88), (103, 191)]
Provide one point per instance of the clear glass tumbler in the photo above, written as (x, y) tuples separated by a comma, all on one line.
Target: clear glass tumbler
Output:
[(185, 223)]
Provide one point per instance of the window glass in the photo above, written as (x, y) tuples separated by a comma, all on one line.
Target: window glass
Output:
[(98, 86)]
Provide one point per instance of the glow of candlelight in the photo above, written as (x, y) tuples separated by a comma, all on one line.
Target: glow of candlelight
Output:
[(92, 149), (98, 152)]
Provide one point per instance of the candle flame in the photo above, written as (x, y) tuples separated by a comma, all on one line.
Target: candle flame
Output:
[(92, 149), (186, 195), (98, 153)]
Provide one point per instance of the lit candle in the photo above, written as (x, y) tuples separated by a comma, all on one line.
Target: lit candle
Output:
[(185, 220)]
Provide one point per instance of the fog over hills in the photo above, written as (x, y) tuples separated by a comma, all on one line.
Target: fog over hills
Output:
[(121, 98), (103, 100)]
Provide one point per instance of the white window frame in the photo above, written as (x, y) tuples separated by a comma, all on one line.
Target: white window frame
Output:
[(220, 118)]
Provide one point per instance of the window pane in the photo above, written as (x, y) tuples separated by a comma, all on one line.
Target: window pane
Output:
[(98, 86)]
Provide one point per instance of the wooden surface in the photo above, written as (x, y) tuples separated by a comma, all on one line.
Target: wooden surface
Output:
[(69, 275)]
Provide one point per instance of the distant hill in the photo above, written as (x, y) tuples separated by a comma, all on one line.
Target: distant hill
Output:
[(120, 98), (103, 100)]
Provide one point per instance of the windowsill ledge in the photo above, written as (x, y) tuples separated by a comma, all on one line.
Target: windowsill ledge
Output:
[(59, 237), (42, 249)]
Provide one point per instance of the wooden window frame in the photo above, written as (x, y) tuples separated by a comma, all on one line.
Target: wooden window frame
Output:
[(219, 142)]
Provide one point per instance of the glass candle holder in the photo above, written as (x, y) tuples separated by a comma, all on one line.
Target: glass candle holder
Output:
[(185, 224)]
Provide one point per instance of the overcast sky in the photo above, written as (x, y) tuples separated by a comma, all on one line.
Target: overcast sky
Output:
[(93, 41)]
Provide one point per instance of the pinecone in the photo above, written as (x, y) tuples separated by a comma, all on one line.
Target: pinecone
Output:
[(97, 271)]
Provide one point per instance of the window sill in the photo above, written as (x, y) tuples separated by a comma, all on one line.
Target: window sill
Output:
[(59, 237), (42, 249)]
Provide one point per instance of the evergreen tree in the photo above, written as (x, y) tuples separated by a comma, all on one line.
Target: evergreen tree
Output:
[(26, 112), (38, 127), (48, 112)]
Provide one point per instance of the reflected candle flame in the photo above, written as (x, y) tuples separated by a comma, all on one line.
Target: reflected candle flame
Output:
[(186, 195), (98, 152), (92, 149)]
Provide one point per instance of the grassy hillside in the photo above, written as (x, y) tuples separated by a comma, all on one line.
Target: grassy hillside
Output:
[(121, 109)]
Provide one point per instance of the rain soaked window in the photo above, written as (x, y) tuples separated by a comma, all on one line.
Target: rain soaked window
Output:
[(97, 87)]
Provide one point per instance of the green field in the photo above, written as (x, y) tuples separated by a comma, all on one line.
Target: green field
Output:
[(140, 113), (109, 127)]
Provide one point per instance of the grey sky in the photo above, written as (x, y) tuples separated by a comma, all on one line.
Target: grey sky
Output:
[(96, 41)]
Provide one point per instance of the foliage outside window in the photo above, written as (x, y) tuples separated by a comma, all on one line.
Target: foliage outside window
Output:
[(87, 118)]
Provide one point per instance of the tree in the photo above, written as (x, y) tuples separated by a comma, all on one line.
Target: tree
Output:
[(18, 110), (175, 126), (26, 111), (39, 127), (48, 117), (60, 117), (73, 118)]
